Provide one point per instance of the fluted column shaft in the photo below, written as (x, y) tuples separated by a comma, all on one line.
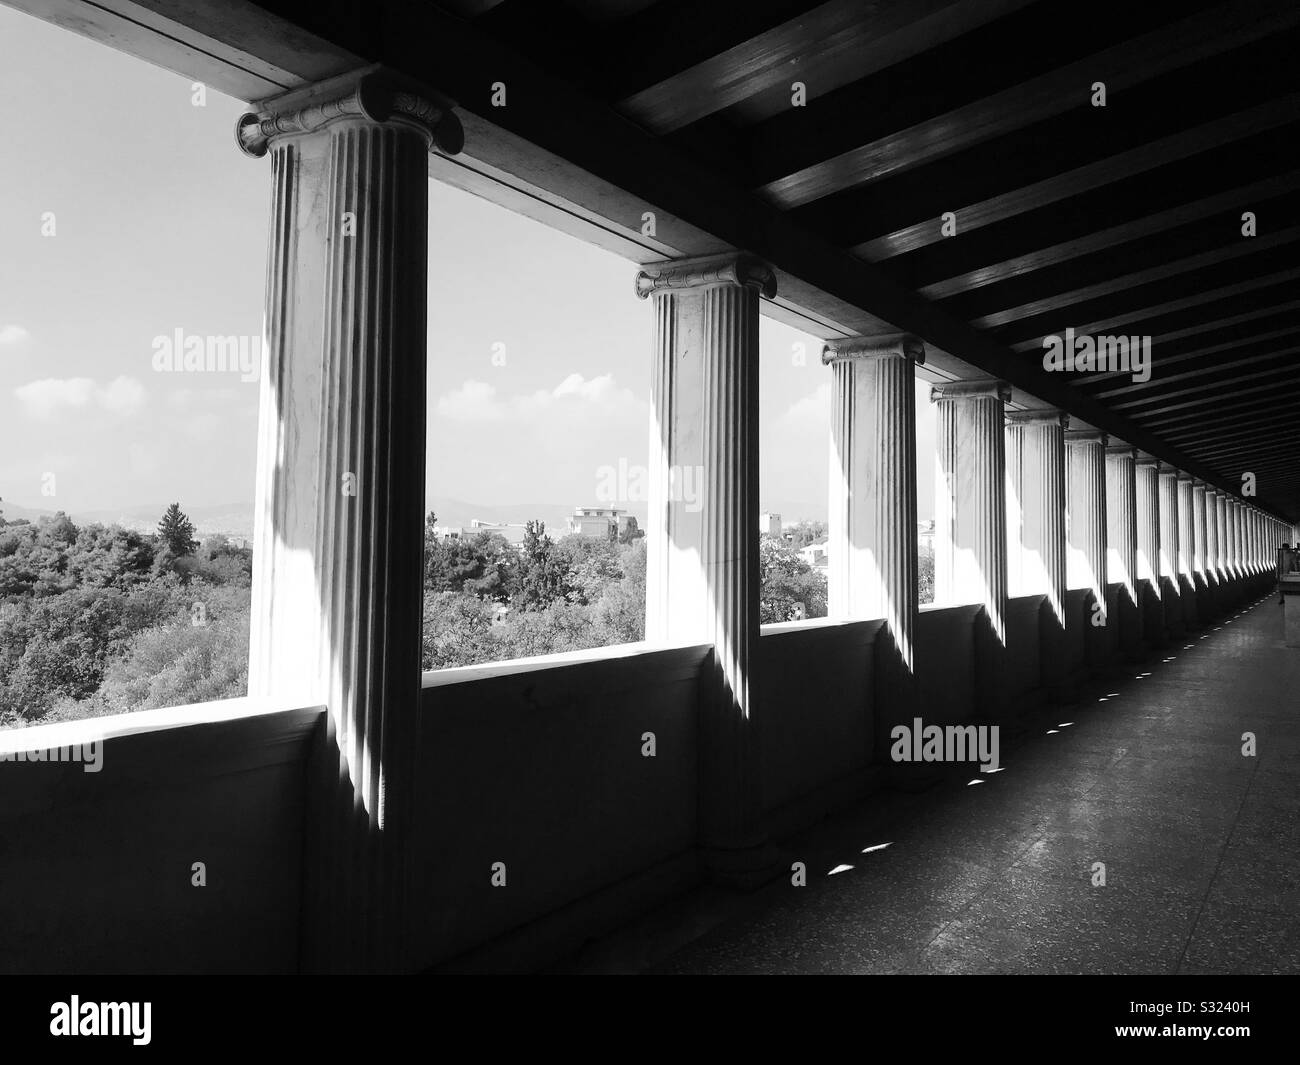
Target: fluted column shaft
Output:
[(336, 616), (970, 548), (1186, 551), (1213, 536), (1146, 478), (872, 544), (872, 526), (1121, 519), (1171, 588), (1230, 539), (702, 571), (1201, 576), (970, 540), (1146, 482), (1243, 544), (1086, 513), (1121, 541), (1086, 521), (1035, 462), (1199, 532)]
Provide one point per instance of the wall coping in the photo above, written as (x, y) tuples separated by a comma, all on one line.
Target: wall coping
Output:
[(641, 654), (782, 628), (119, 726)]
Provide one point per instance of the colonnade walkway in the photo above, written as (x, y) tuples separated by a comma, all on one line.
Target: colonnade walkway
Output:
[(1200, 845)]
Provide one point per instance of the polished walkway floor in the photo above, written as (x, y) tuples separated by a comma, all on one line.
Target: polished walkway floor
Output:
[(1201, 846)]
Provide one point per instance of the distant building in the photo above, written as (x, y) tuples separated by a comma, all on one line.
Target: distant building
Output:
[(600, 522), (449, 532), (815, 554), (513, 533), (925, 536), (769, 524)]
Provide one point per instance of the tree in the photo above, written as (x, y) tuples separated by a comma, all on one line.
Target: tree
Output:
[(785, 581), (925, 577), (177, 532), (541, 577), (631, 532)]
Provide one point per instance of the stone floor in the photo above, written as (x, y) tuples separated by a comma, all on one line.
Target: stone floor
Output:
[(1201, 846)]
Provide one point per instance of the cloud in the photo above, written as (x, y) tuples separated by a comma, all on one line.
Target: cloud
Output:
[(812, 411), (123, 395), (478, 401), (13, 334), (51, 395)]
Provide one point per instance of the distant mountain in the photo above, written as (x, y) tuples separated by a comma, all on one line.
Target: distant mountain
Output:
[(796, 510), (229, 519), (458, 512), (236, 519)]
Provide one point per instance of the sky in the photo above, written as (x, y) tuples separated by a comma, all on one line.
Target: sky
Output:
[(127, 213)]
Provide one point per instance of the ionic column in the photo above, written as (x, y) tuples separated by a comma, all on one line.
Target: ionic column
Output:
[(1247, 540), (1085, 529), (1146, 478), (336, 617), (1221, 534), (1121, 540), (1243, 533), (1232, 536), (872, 527), (1186, 545), (1213, 567), (1243, 549), (1171, 589), (702, 569), (970, 541), (1200, 546), (1035, 463)]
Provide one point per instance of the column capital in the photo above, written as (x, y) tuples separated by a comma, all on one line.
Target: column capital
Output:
[(1042, 416), (1166, 470), (1086, 436), (1149, 462), (1122, 451), (903, 345), (1183, 475), (373, 94), (990, 389), (731, 268)]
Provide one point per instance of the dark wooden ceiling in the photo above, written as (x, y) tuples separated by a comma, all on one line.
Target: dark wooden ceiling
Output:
[(1125, 218)]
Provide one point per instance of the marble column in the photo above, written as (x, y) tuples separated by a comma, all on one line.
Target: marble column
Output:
[(970, 538), (1121, 541), (1186, 545), (1170, 583), (1085, 528), (1213, 564), (1035, 462), (1232, 537), (872, 542), (337, 613), (1200, 546), (1146, 478), (702, 567), (1247, 540)]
